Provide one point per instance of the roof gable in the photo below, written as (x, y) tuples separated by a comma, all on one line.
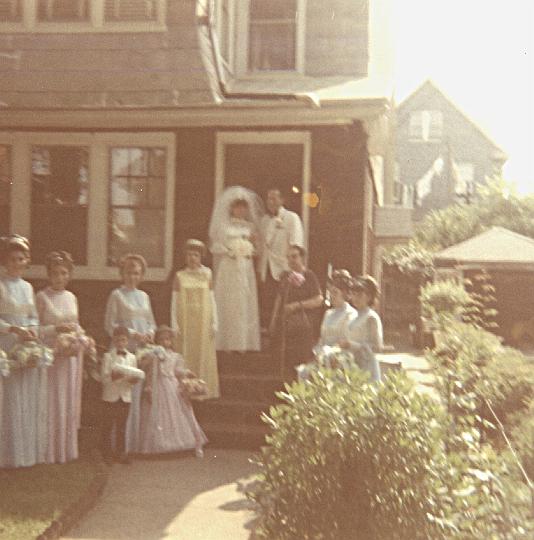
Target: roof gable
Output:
[(430, 88)]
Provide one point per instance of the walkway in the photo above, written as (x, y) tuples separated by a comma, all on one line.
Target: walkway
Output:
[(183, 498)]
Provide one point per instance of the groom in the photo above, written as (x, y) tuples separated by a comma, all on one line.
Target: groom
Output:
[(280, 229)]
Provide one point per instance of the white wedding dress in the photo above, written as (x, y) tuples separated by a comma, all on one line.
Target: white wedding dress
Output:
[(235, 289)]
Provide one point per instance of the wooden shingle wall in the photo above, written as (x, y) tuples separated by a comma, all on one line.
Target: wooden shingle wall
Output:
[(97, 69)]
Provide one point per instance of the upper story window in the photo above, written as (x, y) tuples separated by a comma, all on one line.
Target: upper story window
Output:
[(426, 125), (131, 10), (63, 10), (270, 36), (82, 15), (10, 10), (465, 178), (5, 188)]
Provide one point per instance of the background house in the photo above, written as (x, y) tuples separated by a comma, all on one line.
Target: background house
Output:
[(122, 121), (441, 154)]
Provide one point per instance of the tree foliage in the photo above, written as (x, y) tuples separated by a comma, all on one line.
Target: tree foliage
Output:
[(495, 205)]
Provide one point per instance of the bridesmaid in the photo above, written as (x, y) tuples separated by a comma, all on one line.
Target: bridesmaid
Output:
[(364, 335), (58, 313), (24, 435), (168, 423), (129, 307), (337, 318), (194, 316)]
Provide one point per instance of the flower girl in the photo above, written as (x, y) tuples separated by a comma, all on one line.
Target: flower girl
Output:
[(168, 423), (129, 307)]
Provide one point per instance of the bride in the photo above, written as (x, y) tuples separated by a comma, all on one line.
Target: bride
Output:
[(233, 227)]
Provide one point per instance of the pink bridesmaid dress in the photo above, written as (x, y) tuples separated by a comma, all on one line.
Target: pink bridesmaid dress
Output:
[(64, 377)]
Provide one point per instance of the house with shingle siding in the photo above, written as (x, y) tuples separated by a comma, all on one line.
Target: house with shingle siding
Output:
[(121, 121)]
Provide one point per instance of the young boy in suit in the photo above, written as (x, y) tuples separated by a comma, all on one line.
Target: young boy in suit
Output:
[(117, 396)]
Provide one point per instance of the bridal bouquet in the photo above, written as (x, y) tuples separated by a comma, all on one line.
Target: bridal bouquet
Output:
[(30, 354), (4, 364), (241, 248)]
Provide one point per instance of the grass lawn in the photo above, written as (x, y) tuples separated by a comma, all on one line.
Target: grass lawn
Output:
[(31, 498)]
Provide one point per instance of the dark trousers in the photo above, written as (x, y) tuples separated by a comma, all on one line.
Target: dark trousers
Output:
[(268, 292), (115, 416)]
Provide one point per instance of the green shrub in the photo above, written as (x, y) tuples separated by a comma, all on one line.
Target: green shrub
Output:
[(347, 459), (523, 438), (444, 299)]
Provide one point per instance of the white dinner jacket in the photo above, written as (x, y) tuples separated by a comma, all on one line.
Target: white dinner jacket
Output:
[(278, 234), (118, 389)]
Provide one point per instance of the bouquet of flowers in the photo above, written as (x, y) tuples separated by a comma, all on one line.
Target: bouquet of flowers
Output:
[(29, 354), (241, 248), (326, 356), (194, 388), (4, 364), (72, 343), (150, 352)]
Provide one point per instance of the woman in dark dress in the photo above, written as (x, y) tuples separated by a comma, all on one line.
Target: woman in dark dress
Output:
[(296, 313)]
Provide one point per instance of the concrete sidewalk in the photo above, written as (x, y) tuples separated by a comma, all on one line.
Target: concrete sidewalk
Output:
[(184, 498)]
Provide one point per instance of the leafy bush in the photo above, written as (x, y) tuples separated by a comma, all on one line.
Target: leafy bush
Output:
[(347, 459), (523, 438), (444, 299)]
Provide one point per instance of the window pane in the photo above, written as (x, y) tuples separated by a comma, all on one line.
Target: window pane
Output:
[(272, 47), (137, 213), (5, 188), (63, 10), (59, 199), (10, 11), (137, 231), (131, 10), (273, 9)]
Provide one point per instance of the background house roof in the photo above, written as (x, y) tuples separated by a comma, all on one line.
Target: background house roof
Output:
[(494, 246), (429, 87)]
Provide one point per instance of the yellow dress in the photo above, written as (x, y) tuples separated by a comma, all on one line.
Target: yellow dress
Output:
[(194, 315)]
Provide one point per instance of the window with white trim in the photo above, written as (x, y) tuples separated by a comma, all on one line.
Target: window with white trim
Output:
[(225, 16), (95, 195), (59, 197), (426, 125), (63, 11), (137, 203), (82, 15), (270, 36), (11, 11), (5, 188)]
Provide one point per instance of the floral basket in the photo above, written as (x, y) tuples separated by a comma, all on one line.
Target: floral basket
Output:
[(5, 368), (194, 388), (30, 354)]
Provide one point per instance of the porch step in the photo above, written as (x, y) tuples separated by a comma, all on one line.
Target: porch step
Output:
[(253, 388), (221, 411), (247, 363), (234, 435)]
